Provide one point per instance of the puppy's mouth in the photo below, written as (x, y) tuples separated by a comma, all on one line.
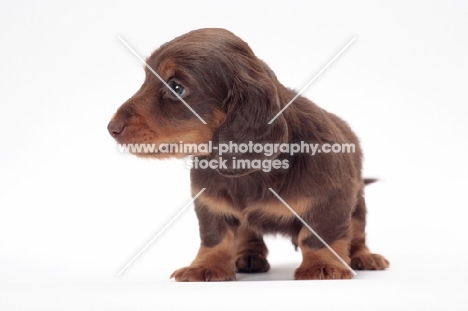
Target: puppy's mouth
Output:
[(170, 141), (146, 144)]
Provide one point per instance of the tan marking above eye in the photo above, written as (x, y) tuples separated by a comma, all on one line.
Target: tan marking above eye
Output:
[(168, 69)]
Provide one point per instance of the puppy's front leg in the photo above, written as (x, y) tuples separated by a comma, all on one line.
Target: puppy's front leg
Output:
[(215, 260)]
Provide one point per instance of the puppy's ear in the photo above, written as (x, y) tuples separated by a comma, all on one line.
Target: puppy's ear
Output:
[(251, 103)]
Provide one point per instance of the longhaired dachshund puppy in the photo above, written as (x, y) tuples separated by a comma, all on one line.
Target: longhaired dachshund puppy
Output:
[(218, 76)]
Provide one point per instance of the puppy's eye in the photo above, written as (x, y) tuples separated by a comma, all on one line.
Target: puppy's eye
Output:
[(177, 88)]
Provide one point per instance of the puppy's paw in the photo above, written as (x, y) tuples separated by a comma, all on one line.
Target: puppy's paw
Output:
[(252, 263), (368, 261), (322, 272), (203, 274)]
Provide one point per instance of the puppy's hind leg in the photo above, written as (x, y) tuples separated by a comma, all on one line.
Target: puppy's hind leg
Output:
[(330, 221), (361, 257), (251, 252)]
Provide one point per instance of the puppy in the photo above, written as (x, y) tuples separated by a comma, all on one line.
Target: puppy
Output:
[(236, 94)]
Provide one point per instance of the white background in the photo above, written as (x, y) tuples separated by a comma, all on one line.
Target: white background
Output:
[(74, 211)]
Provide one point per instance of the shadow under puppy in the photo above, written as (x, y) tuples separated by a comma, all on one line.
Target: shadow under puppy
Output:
[(237, 94)]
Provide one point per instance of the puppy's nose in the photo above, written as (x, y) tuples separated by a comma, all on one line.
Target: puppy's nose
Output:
[(115, 127)]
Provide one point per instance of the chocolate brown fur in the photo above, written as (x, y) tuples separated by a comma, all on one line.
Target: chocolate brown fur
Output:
[(237, 94)]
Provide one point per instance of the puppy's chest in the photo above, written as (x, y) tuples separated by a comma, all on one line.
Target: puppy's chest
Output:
[(263, 215)]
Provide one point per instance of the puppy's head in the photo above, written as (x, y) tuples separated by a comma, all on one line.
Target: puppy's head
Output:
[(219, 77)]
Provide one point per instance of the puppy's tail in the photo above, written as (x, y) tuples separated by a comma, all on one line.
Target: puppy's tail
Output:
[(368, 181)]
